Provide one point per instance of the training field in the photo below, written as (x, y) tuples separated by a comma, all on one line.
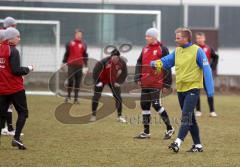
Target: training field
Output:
[(107, 143)]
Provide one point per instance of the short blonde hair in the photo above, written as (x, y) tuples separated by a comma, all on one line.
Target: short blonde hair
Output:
[(186, 32)]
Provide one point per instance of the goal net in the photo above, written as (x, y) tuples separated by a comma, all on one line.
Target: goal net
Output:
[(43, 42)]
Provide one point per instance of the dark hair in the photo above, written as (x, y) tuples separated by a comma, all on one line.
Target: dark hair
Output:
[(200, 33), (115, 52), (186, 32), (78, 30)]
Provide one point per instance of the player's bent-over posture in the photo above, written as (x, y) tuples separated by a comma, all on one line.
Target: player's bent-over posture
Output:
[(111, 71)]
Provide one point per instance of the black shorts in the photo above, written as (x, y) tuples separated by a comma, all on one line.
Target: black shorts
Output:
[(18, 100)]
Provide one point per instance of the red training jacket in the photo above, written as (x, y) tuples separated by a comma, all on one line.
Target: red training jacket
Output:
[(207, 51), (76, 53), (149, 77), (9, 83), (109, 72)]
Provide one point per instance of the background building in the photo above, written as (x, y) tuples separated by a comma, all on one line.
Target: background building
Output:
[(39, 41)]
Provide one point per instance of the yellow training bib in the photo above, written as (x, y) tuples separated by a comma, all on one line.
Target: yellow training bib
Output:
[(188, 73)]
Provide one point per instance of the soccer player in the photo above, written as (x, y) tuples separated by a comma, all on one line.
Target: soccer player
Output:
[(111, 71), (9, 130), (152, 83), (213, 61), (11, 83), (75, 57), (191, 64)]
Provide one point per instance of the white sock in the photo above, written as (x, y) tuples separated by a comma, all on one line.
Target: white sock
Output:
[(198, 146), (161, 110), (178, 141)]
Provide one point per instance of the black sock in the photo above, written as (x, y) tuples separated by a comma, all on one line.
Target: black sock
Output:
[(166, 120), (94, 113), (94, 107), (9, 121), (211, 104), (146, 123), (146, 129), (69, 93), (119, 109), (76, 94), (198, 106), (19, 126), (2, 123)]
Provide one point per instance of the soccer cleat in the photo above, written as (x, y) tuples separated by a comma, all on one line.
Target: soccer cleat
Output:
[(121, 119), (213, 114), (67, 99), (195, 149), (19, 144), (76, 101), (174, 146), (143, 135), (168, 134), (4, 131), (10, 133), (93, 118), (198, 113), (100, 84)]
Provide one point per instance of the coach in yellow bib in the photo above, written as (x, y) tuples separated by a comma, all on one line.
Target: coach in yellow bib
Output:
[(191, 65)]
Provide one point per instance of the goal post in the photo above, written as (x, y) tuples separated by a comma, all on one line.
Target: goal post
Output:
[(55, 25), (156, 13), (31, 51)]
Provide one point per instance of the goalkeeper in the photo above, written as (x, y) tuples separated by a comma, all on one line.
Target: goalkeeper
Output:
[(75, 57), (191, 64)]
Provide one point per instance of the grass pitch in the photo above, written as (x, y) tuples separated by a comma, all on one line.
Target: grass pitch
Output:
[(107, 143)]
